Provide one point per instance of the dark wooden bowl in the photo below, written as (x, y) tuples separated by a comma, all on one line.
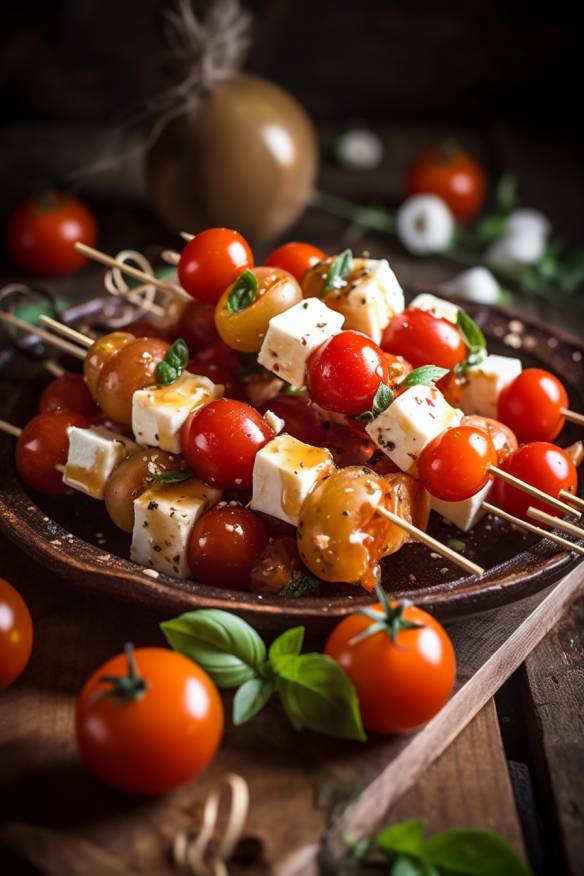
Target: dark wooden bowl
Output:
[(73, 536)]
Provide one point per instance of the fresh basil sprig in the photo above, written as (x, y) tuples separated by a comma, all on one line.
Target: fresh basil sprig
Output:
[(171, 477), (468, 852), (173, 364), (314, 691), (340, 266), (426, 375), (381, 401), (300, 585), (243, 293), (473, 338)]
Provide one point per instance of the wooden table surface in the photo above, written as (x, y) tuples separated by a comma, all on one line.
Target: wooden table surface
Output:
[(518, 766)]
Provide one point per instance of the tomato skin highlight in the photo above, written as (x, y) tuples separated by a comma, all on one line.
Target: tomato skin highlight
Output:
[(211, 261), (423, 339), (532, 406), (42, 445), (154, 743), (542, 465), (452, 175), (343, 374), (455, 465), (224, 545), (296, 258), (69, 392), (16, 634), (401, 685)]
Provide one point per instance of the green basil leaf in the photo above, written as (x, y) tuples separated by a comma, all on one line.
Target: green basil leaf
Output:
[(165, 374), (470, 331), (289, 642), (490, 228), (506, 193), (316, 693), (381, 401), (406, 867), (473, 853), (406, 838), (301, 584), (171, 477), (243, 293), (173, 364), (224, 645), (424, 376), (340, 266), (250, 698)]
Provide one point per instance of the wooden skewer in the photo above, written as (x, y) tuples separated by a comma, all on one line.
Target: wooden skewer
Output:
[(61, 344), (573, 417), (186, 236), (533, 491), (557, 522), (67, 331), (536, 530), (570, 497), (170, 256), (9, 428), (432, 543), (53, 368), (134, 295), (150, 280)]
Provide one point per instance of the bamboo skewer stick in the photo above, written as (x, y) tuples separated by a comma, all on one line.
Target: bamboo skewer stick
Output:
[(59, 343), (573, 416), (104, 259), (531, 527), (570, 497), (186, 236), (170, 256), (533, 491), (549, 519), (430, 542), (134, 296), (9, 428), (66, 331), (53, 368)]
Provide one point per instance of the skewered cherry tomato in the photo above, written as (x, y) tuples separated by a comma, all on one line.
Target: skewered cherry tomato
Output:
[(532, 405), (452, 175), (197, 326), (42, 233), (221, 440), (211, 261), (68, 392), (147, 722), (275, 566), (542, 465), (403, 677), (504, 441), (42, 445), (343, 374), (143, 329), (300, 419), (296, 258), (349, 446), (224, 545), (218, 373), (424, 339), (16, 634), (219, 354), (397, 368), (129, 480), (131, 369), (100, 353), (243, 327), (455, 465)]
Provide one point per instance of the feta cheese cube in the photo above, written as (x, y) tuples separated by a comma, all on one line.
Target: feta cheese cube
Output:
[(294, 334), (414, 419), (436, 306), (284, 473), (368, 297), (92, 457), (158, 412), (465, 514), (484, 383), (163, 518)]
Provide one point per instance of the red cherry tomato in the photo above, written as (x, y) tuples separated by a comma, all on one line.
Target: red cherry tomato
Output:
[(143, 329), (532, 406), (151, 730), (224, 545), (211, 261), (296, 258), (218, 374), (221, 440), (219, 354), (452, 175), (400, 682), (42, 233), (344, 373), (16, 634), (300, 419), (542, 465), (196, 326), (455, 465), (504, 441), (349, 446), (68, 392), (42, 445), (423, 339)]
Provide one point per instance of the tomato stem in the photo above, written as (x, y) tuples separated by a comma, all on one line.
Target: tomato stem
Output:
[(390, 620), (124, 688)]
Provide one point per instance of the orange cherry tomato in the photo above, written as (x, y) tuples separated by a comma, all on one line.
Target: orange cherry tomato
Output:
[(455, 465), (542, 465), (452, 175), (100, 353), (504, 441), (68, 392), (402, 680), (132, 368), (41, 446), (196, 326), (148, 721), (296, 258), (131, 478), (532, 406), (224, 545), (211, 261), (275, 566), (423, 339), (42, 233), (16, 634), (343, 374)]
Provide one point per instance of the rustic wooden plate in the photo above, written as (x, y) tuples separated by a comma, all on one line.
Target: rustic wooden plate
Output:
[(73, 536)]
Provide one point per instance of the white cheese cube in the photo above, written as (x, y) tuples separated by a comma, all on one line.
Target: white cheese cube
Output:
[(414, 419), (294, 334), (368, 298), (275, 422), (92, 457), (436, 306), (484, 383), (284, 473), (464, 514), (159, 411), (163, 518)]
